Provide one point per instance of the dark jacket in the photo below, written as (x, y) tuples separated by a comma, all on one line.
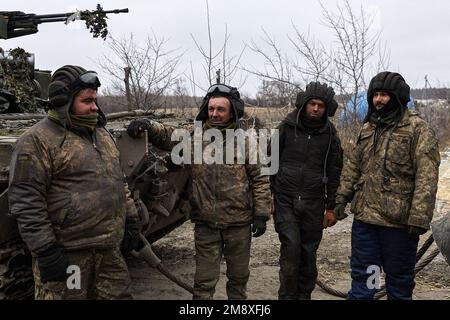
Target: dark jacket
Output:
[(303, 153), (68, 190)]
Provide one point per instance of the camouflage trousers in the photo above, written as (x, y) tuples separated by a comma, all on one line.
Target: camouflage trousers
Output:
[(101, 274), (233, 243)]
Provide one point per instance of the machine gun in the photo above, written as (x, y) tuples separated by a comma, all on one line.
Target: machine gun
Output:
[(16, 23), (22, 88)]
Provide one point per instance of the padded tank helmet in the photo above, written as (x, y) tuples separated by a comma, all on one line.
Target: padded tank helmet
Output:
[(222, 90), (317, 90), (390, 82), (65, 84)]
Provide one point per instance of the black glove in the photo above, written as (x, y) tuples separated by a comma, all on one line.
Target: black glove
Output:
[(339, 211), (131, 237), (259, 226), (138, 126), (416, 231), (53, 265)]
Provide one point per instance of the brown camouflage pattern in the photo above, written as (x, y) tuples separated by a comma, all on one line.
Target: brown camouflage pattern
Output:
[(408, 197), (16, 78), (103, 276), (210, 245), (67, 191), (222, 194)]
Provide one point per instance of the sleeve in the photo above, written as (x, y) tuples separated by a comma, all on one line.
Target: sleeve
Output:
[(279, 134), (132, 214), (30, 177), (260, 187), (426, 160), (350, 174), (334, 168), (160, 135)]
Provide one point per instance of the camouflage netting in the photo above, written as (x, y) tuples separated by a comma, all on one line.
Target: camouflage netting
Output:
[(96, 22), (16, 84)]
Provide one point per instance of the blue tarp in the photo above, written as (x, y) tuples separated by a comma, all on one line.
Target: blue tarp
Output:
[(361, 107)]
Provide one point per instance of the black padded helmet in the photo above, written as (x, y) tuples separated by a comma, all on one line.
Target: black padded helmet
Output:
[(65, 83), (317, 90), (222, 90), (392, 83)]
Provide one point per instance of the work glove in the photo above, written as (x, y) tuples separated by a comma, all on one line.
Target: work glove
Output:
[(131, 237), (137, 127), (329, 219), (53, 265), (416, 231), (259, 226), (339, 211)]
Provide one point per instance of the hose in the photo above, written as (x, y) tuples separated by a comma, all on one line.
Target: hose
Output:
[(146, 253)]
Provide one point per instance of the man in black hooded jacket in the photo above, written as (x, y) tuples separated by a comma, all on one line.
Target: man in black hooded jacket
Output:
[(304, 187)]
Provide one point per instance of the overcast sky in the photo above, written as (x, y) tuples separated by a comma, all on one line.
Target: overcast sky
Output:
[(417, 32)]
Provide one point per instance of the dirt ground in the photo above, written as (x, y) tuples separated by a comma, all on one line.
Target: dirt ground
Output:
[(177, 252)]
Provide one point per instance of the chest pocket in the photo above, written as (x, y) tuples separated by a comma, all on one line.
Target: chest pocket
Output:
[(399, 148), (365, 145)]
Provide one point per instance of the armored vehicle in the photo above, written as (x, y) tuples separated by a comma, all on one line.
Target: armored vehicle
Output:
[(157, 185)]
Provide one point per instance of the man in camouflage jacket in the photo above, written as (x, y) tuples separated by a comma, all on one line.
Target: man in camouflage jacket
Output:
[(390, 179), (68, 193), (225, 198)]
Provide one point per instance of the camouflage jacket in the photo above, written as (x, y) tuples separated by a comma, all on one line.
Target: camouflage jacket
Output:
[(67, 190), (402, 194), (221, 195)]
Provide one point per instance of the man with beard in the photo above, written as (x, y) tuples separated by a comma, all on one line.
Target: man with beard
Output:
[(304, 187), (390, 178)]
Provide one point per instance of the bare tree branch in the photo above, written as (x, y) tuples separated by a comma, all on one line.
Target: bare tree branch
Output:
[(215, 60), (153, 68)]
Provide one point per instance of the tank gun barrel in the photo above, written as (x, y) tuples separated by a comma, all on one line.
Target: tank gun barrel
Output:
[(45, 17), (16, 23)]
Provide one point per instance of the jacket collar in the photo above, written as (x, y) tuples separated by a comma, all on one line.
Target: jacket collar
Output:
[(291, 120)]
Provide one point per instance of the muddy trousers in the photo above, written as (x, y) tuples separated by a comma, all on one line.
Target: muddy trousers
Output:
[(377, 248), (299, 227), (92, 274), (233, 243)]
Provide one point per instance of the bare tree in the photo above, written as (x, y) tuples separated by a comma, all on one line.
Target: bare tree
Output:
[(152, 69), (355, 45), (278, 77), (272, 94), (315, 57), (216, 60), (180, 97), (355, 55)]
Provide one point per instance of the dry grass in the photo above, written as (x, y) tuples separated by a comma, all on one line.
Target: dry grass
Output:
[(271, 117)]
